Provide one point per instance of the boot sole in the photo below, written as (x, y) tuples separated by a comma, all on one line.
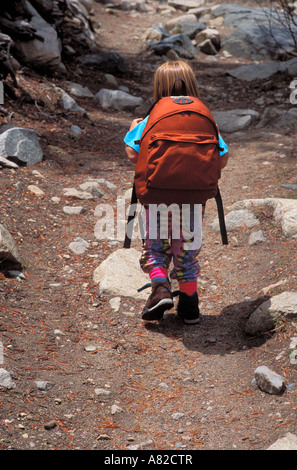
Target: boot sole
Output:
[(156, 312), (193, 321)]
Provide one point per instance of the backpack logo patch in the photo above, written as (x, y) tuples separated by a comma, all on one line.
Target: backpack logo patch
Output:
[(182, 100)]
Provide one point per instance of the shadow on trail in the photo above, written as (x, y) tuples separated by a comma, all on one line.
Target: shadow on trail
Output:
[(215, 334)]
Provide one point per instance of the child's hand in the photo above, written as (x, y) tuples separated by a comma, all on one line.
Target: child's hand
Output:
[(135, 122)]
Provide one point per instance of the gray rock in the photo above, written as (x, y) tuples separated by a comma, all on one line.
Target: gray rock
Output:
[(109, 62), (92, 187), (77, 210), (180, 43), (6, 380), (88, 4), (255, 71), (266, 316), (265, 70), (8, 247), (69, 103), (268, 381), (256, 237), (115, 303), (120, 275), (155, 33), (111, 80), (118, 100), (252, 27), (288, 442), (289, 66), (279, 118), (185, 5), (177, 416), (21, 144), (76, 129), (207, 47), (192, 29), (212, 34), (91, 348), (50, 425), (43, 385), (107, 183), (79, 246), (35, 190), (235, 120), (188, 18), (236, 219), (234, 15), (293, 357), (115, 409), (285, 212), (40, 54), (78, 90), (102, 392), (292, 187), (254, 41), (16, 273), (77, 194), (7, 163)]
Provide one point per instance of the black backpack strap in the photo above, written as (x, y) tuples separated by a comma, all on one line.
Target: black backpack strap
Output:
[(131, 216), (223, 229)]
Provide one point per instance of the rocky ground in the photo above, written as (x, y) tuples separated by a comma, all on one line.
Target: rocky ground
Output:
[(88, 376)]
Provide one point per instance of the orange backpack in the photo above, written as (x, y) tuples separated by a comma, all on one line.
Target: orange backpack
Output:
[(179, 158)]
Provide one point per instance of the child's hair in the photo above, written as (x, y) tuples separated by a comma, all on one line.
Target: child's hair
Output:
[(174, 78)]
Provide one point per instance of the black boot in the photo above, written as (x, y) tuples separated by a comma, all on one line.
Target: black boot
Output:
[(188, 308)]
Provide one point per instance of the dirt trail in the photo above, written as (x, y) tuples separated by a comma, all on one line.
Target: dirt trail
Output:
[(143, 385)]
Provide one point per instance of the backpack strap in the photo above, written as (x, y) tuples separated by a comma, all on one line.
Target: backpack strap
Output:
[(222, 224), (131, 216)]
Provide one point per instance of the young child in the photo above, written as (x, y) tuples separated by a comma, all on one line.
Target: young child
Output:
[(158, 251)]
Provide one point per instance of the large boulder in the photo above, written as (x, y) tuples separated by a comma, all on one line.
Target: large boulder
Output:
[(258, 32), (265, 70), (279, 118), (40, 54), (8, 248), (180, 43), (284, 212), (235, 119), (120, 275), (237, 219), (109, 62), (21, 144), (235, 15), (266, 316), (255, 41), (288, 442)]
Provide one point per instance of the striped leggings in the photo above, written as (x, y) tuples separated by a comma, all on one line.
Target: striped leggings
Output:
[(174, 234)]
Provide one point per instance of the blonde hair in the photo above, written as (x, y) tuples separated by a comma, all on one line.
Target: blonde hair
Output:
[(170, 77)]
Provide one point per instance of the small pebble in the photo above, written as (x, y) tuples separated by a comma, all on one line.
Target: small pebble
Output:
[(91, 348), (50, 425), (103, 437)]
